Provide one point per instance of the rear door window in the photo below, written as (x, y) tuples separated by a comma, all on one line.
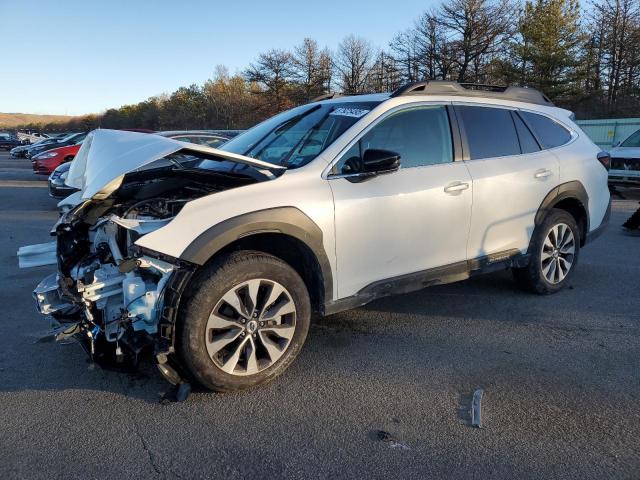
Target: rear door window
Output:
[(490, 131), (550, 133)]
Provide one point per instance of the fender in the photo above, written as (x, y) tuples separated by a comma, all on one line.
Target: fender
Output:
[(573, 189), (286, 220)]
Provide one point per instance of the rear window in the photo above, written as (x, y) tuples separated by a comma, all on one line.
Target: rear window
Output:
[(550, 133), (490, 132)]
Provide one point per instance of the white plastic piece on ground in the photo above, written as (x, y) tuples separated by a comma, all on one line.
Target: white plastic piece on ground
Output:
[(476, 409), (37, 255)]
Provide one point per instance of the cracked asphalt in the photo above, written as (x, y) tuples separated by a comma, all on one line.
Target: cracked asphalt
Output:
[(383, 391)]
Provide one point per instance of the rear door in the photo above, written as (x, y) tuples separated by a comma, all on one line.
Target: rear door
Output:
[(511, 177)]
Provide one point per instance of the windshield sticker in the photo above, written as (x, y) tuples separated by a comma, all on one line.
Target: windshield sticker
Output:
[(350, 112)]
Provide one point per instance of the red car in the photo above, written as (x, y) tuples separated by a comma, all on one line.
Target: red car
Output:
[(46, 162)]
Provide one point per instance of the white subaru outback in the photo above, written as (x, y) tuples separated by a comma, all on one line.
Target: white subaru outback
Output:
[(215, 259)]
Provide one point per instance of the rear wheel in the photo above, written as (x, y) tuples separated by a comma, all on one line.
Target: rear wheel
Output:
[(554, 251), (245, 321)]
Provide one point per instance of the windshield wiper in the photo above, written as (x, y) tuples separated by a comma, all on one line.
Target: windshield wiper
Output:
[(279, 130), (302, 142)]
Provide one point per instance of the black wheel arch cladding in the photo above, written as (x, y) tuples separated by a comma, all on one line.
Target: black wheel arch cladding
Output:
[(288, 221), (567, 196)]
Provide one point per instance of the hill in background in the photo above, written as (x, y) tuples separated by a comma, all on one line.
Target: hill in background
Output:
[(10, 120)]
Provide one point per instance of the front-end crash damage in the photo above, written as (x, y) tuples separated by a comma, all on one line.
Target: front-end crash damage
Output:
[(116, 297)]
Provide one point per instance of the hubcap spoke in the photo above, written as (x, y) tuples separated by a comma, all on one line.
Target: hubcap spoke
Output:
[(232, 299), (274, 294), (283, 307), (283, 331), (230, 365), (549, 270), (216, 343), (272, 347), (252, 288), (252, 359)]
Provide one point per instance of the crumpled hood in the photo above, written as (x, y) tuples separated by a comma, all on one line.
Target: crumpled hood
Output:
[(107, 155)]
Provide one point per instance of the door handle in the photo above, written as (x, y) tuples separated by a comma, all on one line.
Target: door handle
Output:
[(456, 187), (543, 173)]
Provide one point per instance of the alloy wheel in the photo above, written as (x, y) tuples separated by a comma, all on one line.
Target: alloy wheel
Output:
[(558, 253), (251, 327)]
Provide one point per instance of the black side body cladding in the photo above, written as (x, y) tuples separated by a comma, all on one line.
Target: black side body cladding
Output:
[(285, 220), (412, 282)]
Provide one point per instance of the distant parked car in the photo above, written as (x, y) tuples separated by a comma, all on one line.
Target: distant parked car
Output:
[(57, 187), (22, 150), (199, 137), (32, 137), (625, 162), (71, 139), (7, 142), (46, 162)]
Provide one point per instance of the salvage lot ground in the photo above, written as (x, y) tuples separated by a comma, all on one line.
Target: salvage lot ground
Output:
[(561, 377)]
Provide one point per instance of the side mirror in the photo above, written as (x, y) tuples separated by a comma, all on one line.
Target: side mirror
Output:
[(378, 162)]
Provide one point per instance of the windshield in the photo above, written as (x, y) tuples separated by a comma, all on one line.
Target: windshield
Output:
[(632, 141), (295, 137), (68, 137)]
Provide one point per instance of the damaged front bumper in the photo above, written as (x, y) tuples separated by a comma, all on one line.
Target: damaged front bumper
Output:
[(117, 305)]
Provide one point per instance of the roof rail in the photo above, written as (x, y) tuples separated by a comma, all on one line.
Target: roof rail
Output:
[(326, 96), (445, 87)]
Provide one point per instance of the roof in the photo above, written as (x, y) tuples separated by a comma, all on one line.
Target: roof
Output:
[(443, 87), (448, 88)]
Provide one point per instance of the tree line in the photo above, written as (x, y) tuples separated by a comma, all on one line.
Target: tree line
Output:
[(587, 60)]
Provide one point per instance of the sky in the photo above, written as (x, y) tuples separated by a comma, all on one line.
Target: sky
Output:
[(72, 57)]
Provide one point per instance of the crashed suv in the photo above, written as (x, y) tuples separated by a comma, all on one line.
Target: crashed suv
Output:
[(215, 259)]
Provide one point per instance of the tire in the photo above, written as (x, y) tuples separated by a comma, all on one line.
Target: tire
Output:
[(547, 270), (268, 340)]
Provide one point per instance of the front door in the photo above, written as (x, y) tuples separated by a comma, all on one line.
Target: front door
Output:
[(408, 221)]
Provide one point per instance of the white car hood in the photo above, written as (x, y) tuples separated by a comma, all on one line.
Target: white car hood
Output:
[(107, 155), (625, 152)]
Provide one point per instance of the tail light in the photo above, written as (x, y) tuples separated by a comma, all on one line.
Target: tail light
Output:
[(605, 159)]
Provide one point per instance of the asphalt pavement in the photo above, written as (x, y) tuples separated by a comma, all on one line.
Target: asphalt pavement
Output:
[(383, 391)]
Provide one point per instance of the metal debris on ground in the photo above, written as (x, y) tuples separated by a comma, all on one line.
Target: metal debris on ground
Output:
[(476, 405)]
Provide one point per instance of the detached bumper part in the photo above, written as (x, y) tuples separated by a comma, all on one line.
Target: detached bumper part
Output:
[(37, 255), (48, 299)]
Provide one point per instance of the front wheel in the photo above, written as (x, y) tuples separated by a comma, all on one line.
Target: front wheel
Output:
[(245, 321), (554, 251)]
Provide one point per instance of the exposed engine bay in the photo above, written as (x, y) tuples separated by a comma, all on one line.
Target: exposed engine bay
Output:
[(113, 296)]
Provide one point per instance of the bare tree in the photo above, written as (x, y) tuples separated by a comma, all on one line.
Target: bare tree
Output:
[(384, 75), (326, 69), (618, 62), (404, 48), (273, 71), (476, 29), (353, 62), (310, 68)]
